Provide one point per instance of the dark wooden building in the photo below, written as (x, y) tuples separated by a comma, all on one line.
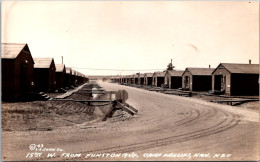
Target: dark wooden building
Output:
[(197, 79), (236, 79), (132, 79), (73, 77), (44, 74), (141, 79), (17, 71), (158, 78), (60, 76), (173, 79), (136, 76), (148, 79), (128, 79), (68, 76)]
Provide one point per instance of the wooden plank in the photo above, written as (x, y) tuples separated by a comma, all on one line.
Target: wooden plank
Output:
[(111, 110), (125, 108), (58, 99), (132, 108), (244, 100)]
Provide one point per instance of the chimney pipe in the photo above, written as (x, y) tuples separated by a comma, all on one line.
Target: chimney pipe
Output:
[(209, 66), (249, 61), (171, 61)]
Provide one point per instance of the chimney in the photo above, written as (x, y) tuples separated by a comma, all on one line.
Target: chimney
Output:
[(249, 61), (171, 61), (209, 66)]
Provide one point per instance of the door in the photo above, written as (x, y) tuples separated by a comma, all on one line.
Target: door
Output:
[(218, 82)]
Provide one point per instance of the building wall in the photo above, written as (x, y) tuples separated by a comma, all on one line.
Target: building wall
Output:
[(17, 83), (148, 81), (52, 77), (187, 73), (8, 88), (244, 84), (201, 83), (67, 82), (176, 82), (41, 79), (154, 80), (26, 86), (159, 81), (141, 80), (60, 79), (145, 80), (167, 79), (224, 72)]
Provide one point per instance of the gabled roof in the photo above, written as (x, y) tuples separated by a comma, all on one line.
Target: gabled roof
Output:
[(240, 68), (199, 71), (148, 74), (141, 75), (12, 50), (174, 73), (74, 72), (68, 70), (159, 74), (42, 62), (60, 67), (136, 75)]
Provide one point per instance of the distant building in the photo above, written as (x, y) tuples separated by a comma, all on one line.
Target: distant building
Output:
[(236, 79), (173, 79), (158, 78), (17, 71), (44, 74), (141, 79), (136, 76), (60, 75), (197, 79), (148, 79), (73, 77), (68, 78)]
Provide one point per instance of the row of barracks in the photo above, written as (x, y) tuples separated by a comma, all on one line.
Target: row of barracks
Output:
[(24, 75), (231, 79)]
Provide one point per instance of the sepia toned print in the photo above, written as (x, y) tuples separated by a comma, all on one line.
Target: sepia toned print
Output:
[(130, 80)]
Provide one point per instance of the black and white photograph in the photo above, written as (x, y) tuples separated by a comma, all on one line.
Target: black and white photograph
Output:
[(126, 80)]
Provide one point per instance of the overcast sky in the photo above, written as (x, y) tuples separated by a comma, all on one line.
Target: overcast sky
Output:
[(127, 35)]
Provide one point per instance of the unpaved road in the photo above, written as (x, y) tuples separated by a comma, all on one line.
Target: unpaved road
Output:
[(165, 124)]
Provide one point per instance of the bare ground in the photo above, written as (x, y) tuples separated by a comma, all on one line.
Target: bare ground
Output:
[(164, 124)]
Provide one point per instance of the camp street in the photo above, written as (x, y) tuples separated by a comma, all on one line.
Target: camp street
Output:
[(164, 124)]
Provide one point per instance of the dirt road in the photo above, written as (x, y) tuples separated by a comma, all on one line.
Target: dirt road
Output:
[(165, 128)]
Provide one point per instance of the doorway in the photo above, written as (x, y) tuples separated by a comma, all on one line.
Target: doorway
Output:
[(218, 82)]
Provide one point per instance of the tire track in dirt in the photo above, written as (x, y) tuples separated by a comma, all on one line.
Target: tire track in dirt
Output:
[(229, 121)]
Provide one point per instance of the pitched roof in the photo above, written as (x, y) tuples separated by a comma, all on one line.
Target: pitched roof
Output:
[(74, 72), (159, 74), (136, 75), (200, 71), (11, 50), (241, 68), (174, 72), (59, 67), (141, 75), (148, 74), (42, 62), (68, 70)]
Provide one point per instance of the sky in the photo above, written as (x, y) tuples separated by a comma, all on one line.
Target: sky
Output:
[(134, 36)]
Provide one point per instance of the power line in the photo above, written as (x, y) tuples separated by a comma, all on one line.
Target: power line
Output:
[(117, 69)]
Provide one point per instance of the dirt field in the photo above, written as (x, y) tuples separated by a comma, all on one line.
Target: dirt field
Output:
[(165, 124), (44, 115)]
